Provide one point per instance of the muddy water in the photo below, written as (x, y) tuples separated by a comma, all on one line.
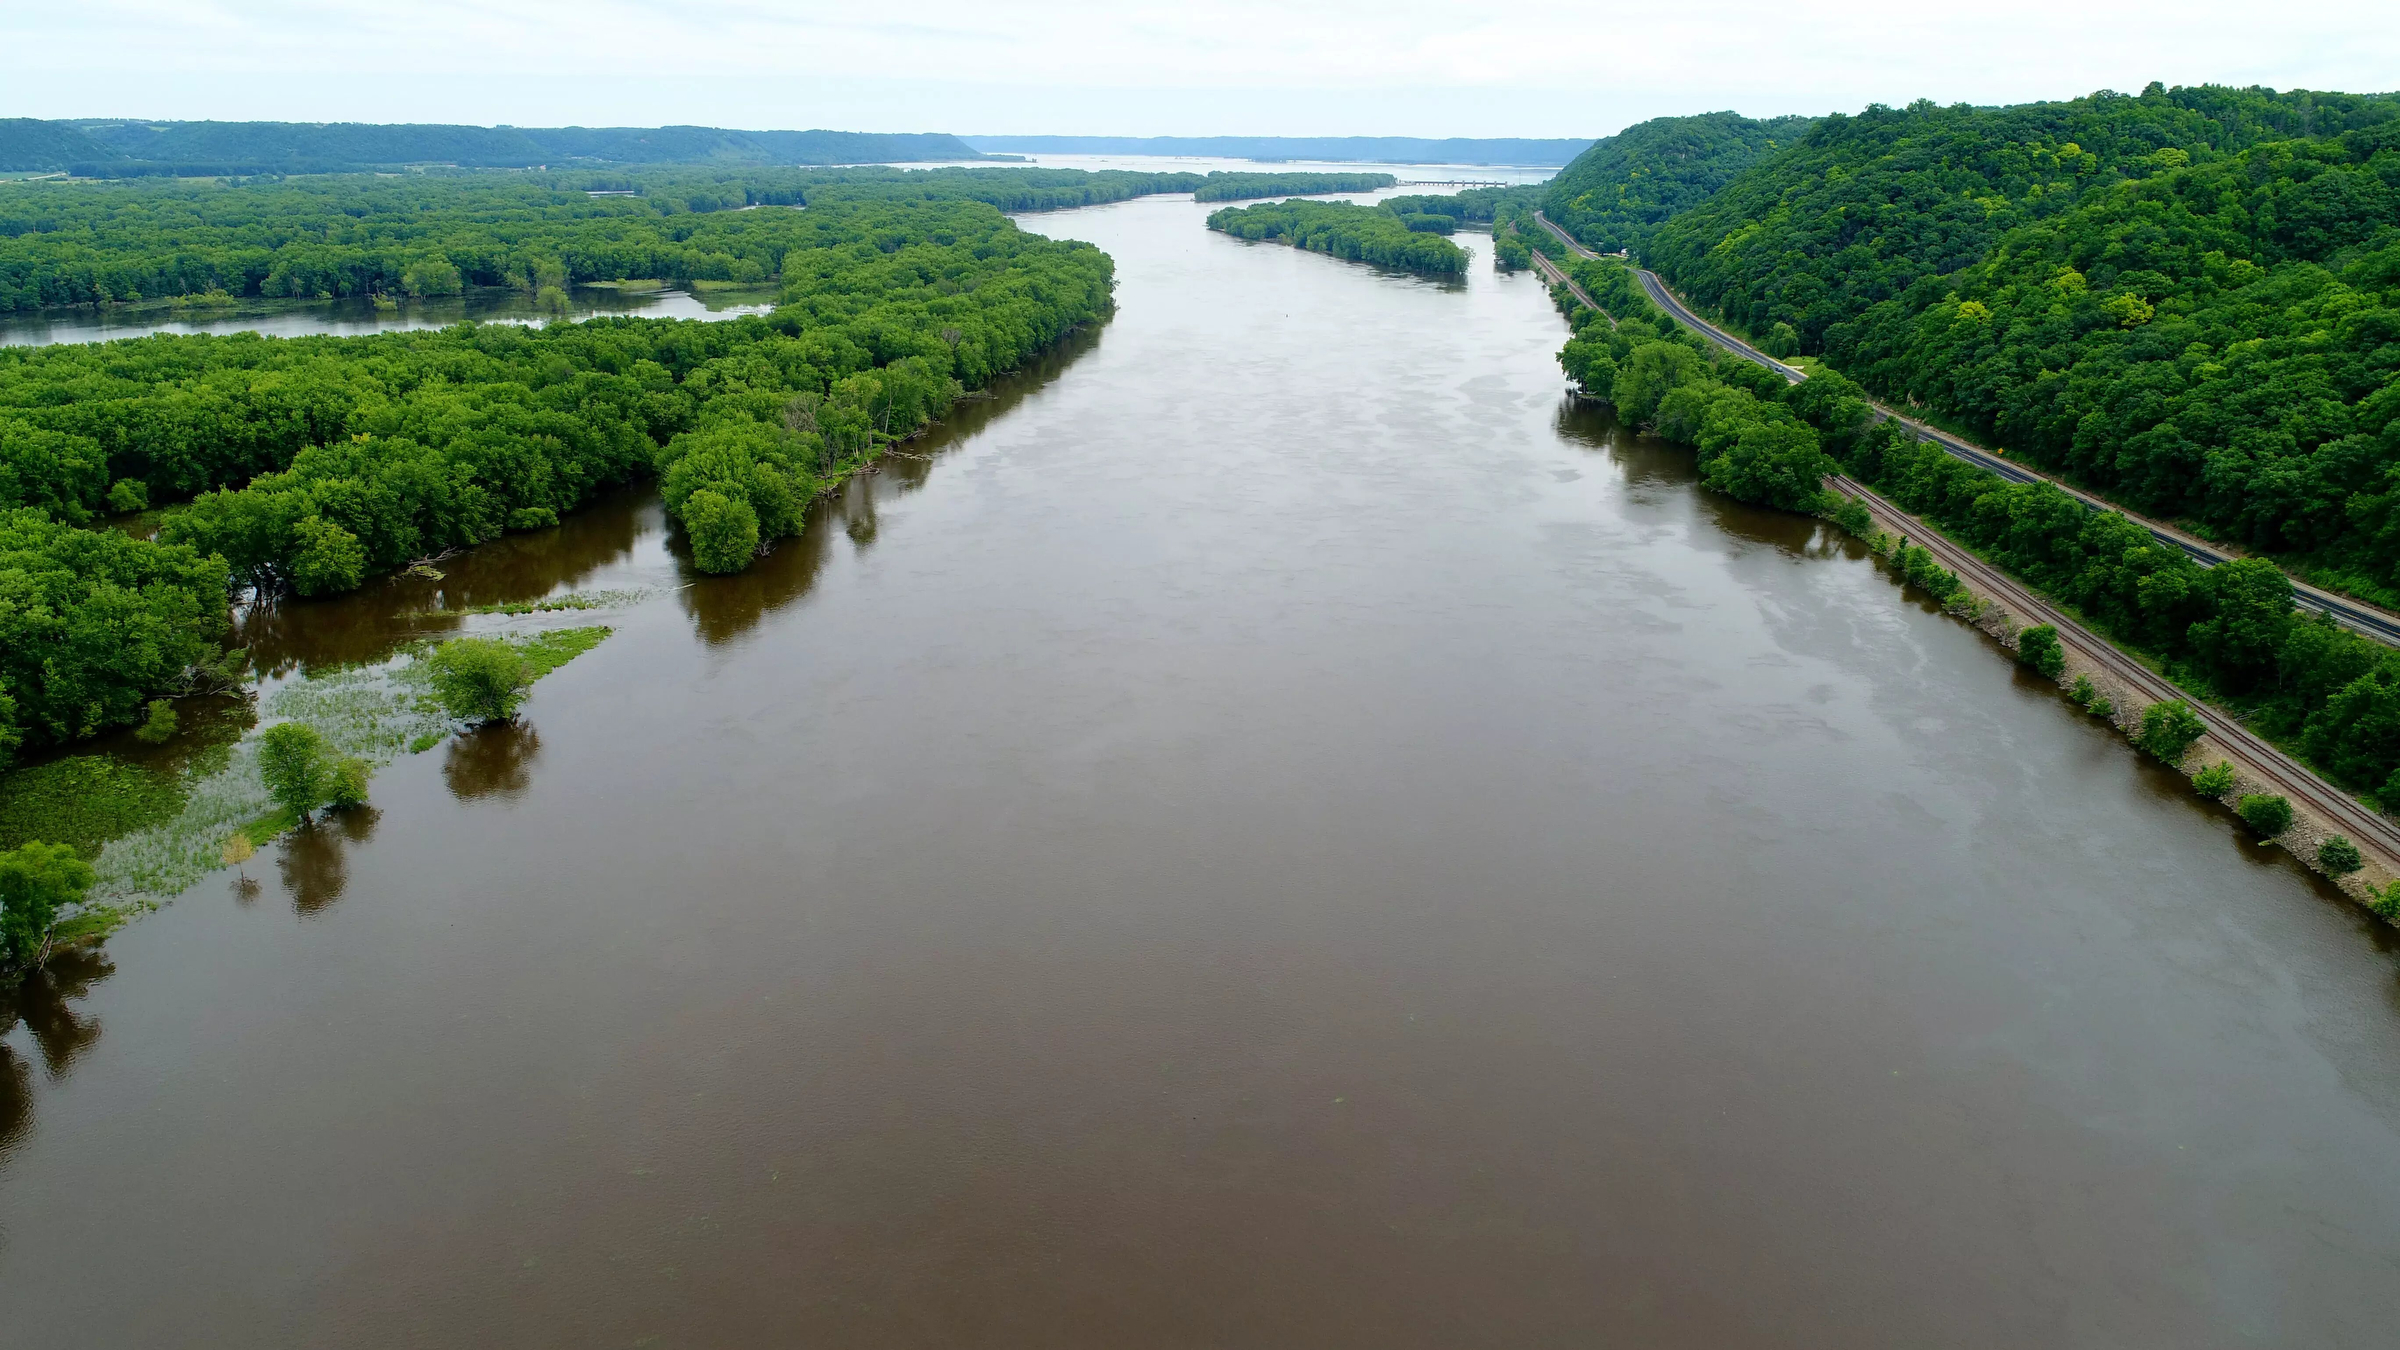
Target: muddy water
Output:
[(1275, 832)]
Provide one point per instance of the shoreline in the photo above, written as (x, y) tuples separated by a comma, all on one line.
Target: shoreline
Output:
[(2002, 608)]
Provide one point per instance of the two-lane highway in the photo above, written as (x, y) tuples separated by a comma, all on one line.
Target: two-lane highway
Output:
[(2379, 624)]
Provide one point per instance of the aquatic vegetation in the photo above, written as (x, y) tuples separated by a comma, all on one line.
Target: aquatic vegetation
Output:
[(368, 714)]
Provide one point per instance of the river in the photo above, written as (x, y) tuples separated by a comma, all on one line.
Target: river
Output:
[(1278, 830)]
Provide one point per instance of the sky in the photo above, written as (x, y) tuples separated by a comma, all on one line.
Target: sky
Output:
[(1136, 67)]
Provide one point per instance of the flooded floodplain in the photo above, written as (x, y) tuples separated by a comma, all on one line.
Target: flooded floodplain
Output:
[(1275, 829)]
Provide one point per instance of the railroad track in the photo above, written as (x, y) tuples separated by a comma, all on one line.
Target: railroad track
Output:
[(2280, 771), (1550, 270), (2352, 614)]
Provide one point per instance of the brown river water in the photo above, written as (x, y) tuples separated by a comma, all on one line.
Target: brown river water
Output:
[(1279, 830)]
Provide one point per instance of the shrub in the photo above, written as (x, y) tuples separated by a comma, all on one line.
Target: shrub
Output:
[(160, 725), (2214, 781), (2169, 728), (479, 679), (1918, 567), (2269, 815), (2038, 648), (1852, 515), (2386, 902), (37, 881), (128, 495), (724, 532), (348, 786), (296, 767), (2338, 856)]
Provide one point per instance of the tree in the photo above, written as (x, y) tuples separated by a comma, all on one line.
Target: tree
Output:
[(1772, 464), (2038, 647), (38, 881), (724, 531), (479, 679), (347, 787), (160, 725), (2338, 856), (326, 559), (2269, 815), (296, 766), (2169, 728)]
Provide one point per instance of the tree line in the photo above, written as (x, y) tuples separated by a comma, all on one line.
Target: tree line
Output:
[(1234, 187), (311, 464)]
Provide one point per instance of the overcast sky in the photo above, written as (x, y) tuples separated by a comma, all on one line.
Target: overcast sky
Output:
[(1135, 67)]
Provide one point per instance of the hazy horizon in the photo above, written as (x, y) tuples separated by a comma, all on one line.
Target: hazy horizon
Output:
[(1073, 68)]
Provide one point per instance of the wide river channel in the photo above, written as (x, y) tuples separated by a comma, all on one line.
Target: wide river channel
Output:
[(1279, 829)]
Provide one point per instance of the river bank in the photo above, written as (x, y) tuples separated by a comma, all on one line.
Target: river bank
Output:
[(2003, 609)]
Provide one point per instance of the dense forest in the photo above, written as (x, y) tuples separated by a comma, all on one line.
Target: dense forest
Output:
[(2229, 630), (1345, 230), (117, 147), (1616, 193), (2187, 299), (312, 464), (347, 235), (69, 244)]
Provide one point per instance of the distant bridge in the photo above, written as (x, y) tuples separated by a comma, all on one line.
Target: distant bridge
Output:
[(1451, 182)]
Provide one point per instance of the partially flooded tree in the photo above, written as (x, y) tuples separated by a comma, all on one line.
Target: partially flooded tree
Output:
[(38, 882), (479, 679), (296, 767)]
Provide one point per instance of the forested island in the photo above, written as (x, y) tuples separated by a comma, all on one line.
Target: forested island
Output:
[(1346, 230), (428, 235)]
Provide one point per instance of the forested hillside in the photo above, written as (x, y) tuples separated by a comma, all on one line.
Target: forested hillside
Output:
[(320, 462), (2188, 299), (112, 147), (1616, 193)]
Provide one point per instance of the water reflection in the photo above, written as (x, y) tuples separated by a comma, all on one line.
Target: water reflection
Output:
[(314, 859), (358, 315), (60, 1035), (722, 609), (368, 625), (1651, 462), (495, 760)]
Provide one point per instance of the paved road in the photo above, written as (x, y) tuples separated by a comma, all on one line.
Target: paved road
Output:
[(2379, 624)]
